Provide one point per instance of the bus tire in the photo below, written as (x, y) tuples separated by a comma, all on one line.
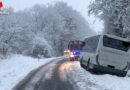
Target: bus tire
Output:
[(88, 63), (81, 63)]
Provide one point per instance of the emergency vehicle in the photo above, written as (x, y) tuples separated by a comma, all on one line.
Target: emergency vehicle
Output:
[(75, 48)]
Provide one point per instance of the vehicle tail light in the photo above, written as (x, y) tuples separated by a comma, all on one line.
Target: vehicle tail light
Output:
[(1, 4)]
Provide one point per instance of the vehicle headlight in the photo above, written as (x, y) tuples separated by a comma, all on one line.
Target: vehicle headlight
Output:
[(71, 56)]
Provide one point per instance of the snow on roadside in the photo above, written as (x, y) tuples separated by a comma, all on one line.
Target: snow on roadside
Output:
[(16, 68), (87, 81)]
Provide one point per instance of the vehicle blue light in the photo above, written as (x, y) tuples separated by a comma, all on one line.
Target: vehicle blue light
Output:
[(79, 53), (76, 53)]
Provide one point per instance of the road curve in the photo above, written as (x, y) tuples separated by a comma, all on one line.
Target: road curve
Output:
[(47, 77)]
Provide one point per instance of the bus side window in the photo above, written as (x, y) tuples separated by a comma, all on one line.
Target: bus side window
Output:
[(126, 44)]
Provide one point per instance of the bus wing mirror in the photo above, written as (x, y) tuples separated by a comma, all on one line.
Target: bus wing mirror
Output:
[(83, 43)]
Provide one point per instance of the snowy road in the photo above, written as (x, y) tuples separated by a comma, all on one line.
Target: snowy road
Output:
[(62, 74), (51, 76)]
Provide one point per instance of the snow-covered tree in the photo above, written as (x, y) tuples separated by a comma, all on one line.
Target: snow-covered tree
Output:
[(115, 14), (60, 23), (41, 30)]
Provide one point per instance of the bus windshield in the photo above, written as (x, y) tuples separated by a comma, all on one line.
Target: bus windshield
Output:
[(116, 44)]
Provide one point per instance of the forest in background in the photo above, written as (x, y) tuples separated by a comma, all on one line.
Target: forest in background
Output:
[(41, 30)]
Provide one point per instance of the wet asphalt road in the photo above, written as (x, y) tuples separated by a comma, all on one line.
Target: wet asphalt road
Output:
[(47, 77)]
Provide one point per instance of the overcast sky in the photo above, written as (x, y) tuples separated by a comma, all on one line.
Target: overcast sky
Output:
[(79, 5)]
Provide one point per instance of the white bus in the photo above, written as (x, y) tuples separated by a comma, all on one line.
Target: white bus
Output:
[(112, 56)]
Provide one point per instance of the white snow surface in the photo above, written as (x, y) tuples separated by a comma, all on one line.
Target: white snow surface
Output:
[(14, 69), (87, 81), (17, 67)]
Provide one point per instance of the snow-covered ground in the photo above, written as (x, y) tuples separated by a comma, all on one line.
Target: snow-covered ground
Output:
[(87, 81), (14, 69)]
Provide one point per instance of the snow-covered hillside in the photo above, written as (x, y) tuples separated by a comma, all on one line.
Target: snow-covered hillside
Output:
[(87, 81), (16, 68)]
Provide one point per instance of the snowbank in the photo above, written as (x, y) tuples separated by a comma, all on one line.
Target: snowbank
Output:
[(16, 68), (87, 81)]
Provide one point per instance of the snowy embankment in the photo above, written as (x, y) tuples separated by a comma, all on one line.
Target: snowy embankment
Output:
[(87, 81), (13, 70)]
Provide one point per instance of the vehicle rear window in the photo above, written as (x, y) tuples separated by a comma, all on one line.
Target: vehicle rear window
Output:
[(116, 44)]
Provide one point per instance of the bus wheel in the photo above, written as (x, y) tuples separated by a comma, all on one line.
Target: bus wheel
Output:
[(87, 67), (81, 63)]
